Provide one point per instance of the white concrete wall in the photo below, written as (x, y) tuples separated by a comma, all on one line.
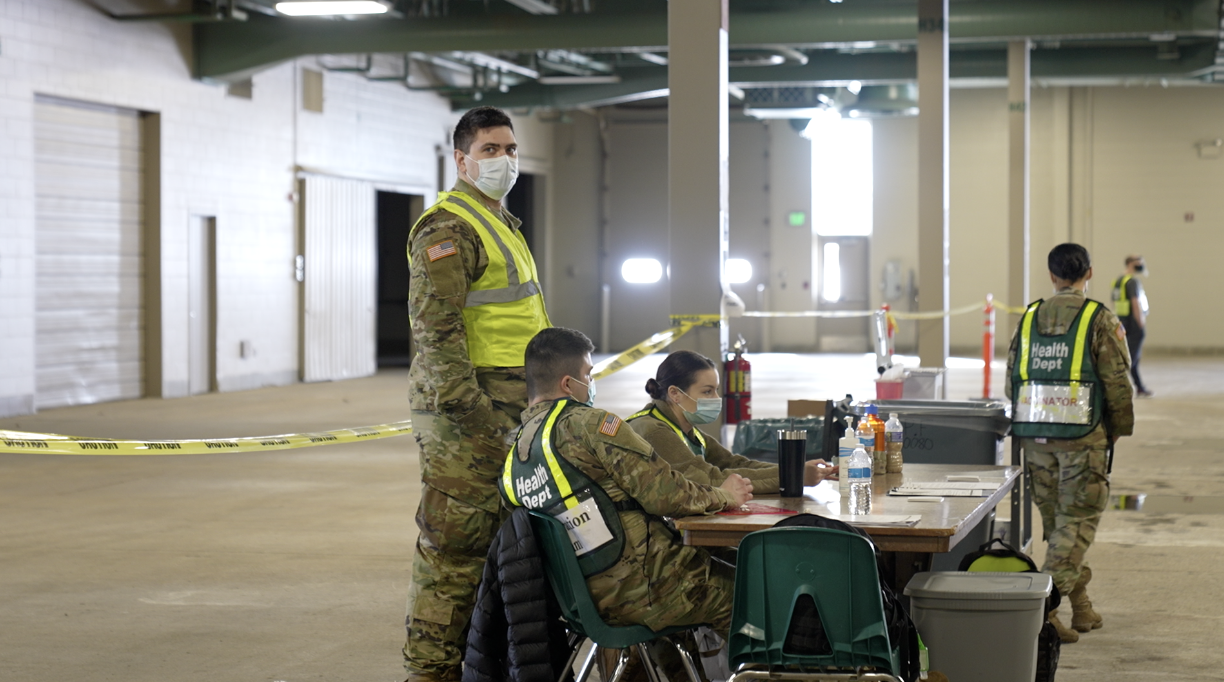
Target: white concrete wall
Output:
[(222, 156), (1115, 169), (1146, 176)]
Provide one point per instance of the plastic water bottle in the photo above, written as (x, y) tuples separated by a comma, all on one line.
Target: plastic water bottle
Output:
[(859, 475), (845, 450), (879, 459), (894, 438), (866, 432)]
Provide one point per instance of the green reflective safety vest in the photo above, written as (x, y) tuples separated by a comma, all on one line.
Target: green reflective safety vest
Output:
[(698, 448), (504, 308), (1122, 304), (536, 478), (1056, 392)]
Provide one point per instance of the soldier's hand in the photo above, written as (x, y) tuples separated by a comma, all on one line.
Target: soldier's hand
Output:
[(816, 471), (739, 487)]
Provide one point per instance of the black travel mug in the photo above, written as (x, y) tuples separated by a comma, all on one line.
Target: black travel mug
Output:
[(792, 453)]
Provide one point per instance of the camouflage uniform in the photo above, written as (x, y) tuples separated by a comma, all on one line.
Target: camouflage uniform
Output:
[(461, 417), (712, 469), (658, 582), (1069, 478)]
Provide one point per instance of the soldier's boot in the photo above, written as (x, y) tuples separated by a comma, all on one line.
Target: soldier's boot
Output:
[(1066, 634), (1083, 617)]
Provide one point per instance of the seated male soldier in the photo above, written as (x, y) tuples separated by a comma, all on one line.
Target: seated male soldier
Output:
[(591, 471)]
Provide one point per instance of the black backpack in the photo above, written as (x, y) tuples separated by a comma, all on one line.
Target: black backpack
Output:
[(901, 630), (998, 556)]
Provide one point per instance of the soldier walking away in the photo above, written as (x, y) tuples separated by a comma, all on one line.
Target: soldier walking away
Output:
[(475, 303), (1071, 401), (1131, 306)]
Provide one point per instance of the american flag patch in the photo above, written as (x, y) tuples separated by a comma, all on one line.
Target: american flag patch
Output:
[(441, 250), (610, 425)]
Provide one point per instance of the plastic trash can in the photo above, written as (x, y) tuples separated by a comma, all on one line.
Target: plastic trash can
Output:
[(952, 432), (949, 431), (758, 438), (980, 627)]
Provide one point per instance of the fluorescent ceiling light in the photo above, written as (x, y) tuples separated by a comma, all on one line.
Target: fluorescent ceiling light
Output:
[(579, 80), (325, 8), (642, 270), (791, 112), (534, 6)]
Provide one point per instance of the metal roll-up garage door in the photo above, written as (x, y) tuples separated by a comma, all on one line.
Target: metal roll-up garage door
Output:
[(89, 316), (340, 293)]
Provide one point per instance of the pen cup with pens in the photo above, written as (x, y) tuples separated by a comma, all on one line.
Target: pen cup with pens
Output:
[(792, 453)]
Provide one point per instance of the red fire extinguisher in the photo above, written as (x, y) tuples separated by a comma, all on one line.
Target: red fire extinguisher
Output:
[(738, 393)]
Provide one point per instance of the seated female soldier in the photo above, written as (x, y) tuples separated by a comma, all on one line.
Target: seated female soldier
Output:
[(684, 393)]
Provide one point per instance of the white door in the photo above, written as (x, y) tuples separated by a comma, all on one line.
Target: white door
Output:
[(340, 278), (201, 313), (89, 250)]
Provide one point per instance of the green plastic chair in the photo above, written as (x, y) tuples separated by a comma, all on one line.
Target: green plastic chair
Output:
[(807, 600), (581, 615)]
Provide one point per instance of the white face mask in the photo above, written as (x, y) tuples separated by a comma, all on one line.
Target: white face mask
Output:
[(494, 176)]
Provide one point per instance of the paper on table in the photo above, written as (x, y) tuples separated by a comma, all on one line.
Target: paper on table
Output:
[(876, 520), (961, 485), (935, 492)]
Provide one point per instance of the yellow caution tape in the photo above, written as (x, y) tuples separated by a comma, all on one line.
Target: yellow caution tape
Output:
[(937, 314), (650, 346), (54, 444), (811, 313), (697, 320), (834, 314)]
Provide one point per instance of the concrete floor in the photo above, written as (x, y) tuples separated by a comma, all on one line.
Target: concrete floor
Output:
[(294, 565)]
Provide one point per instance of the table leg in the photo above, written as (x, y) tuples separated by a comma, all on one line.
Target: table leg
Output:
[(900, 567)]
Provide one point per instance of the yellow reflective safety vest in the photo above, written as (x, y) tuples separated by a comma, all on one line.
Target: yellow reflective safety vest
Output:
[(504, 308), (1122, 303), (1056, 392), (535, 477), (697, 448)]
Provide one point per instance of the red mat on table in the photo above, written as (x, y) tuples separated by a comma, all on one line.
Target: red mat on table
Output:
[(754, 508)]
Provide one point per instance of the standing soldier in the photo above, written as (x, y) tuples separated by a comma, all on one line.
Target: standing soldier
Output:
[(1131, 307), (475, 302), (1071, 401)]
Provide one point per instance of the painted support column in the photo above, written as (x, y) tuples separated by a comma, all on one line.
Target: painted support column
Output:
[(933, 291), (697, 151), (1017, 176)]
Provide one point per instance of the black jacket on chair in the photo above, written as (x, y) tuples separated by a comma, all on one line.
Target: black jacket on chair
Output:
[(516, 633)]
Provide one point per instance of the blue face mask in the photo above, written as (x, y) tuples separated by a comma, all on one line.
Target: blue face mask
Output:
[(590, 401), (708, 409)]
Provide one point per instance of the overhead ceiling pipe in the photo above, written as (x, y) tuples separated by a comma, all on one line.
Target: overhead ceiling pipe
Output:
[(233, 51), (835, 69)]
